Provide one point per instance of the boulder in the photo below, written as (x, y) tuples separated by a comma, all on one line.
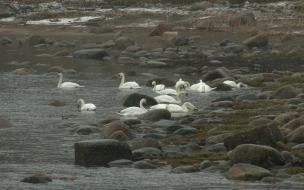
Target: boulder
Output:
[(57, 69), (286, 92), (297, 135), (95, 53), (286, 117), (157, 42), (100, 152), (120, 136), (202, 5), (134, 99), (260, 122), (146, 142), (21, 71), (184, 169), (161, 80), (122, 43), (247, 172), (57, 103), (259, 155), (180, 41), (294, 124), (221, 72), (34, 40), (243, 18), (4, 123), (296, 52), (155, 115), (37, 178), (260, 40), (143, 165), (169, 35), (161, 28), (122, 163), (116, 126), (107, 120), (268, 134), (249, 96)]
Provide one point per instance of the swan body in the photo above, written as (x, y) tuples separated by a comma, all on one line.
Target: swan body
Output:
[(66, 84), (234, 84), (157, 87), (173, 108), (134, 111), (205, 88), (127, 85), (85, 106), (169, 91), (197, 85), (170, 99)]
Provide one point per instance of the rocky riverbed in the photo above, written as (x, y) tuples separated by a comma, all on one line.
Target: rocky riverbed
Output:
[(251, 133)]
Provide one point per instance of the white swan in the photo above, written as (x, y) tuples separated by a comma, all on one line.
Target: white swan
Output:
[(205, 88), (180, 81), (134, 111), (157, 87), (169, 91), (128, 85), (85, 107), (66, 84), (170, 99), (196, 86), (174, 108), (234, 84)]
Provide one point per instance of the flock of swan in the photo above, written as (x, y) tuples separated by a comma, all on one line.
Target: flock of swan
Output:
[(165, 98)]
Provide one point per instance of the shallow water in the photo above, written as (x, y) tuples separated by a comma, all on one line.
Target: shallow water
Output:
[(34, 145)]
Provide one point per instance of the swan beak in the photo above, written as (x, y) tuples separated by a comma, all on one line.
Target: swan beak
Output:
[(195, 109), (187, 95)]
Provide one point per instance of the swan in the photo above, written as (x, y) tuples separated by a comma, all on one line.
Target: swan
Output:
[(169, 91), (175, 108), (170, 99), (180, 81), (85, 107), (157, 87), (196, 86), (234, 84), (128, 85), (66, 84), (134, 111), (205, 88)]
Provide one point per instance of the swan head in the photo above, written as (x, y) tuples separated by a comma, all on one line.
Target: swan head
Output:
[(120, 75), (80, 102), (60, 75), (143, 100), (184, 93), (191, 106), (153, 83)]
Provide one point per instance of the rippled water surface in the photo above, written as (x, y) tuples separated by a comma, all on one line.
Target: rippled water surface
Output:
[(34, 145)]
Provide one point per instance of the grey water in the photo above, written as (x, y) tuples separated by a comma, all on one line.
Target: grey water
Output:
[(34, 145)]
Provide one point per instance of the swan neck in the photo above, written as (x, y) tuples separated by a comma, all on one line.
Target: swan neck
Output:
[(141, 105), (60, 82), (184, 106), (122, 80), (178, 98)]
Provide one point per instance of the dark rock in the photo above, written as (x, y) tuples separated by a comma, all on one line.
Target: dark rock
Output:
[(100, 152), (286, 117), (161, 28), (185, 131), (21, 71), (260, 40), (294, 124), (297, 135), (37, 178), (107, 120), (90, 54), (155, 115), (57, 103), (122, 43), (116, 126), (180, 41), (122, 163), (259, 155), (247, 172), (157, 42), (184, 169), (268, 135), (286, 92), (34, 40), (143, 165), (221, 72), (4, 123), (260, 122), (145, 142), (103, 30), (161, 80), (120, 136), (57, 69), (134, 99)]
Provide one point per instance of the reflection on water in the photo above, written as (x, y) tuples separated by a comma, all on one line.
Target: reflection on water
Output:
[(34, 145)]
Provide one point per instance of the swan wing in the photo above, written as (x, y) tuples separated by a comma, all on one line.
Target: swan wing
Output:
[(158, 106), (165, 98), (88, 107), (168, 91), (130, 85), (70, 85), (160, 87), (175, 108)]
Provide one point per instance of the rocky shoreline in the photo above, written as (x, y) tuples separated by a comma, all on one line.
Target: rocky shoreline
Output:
[(254, 136)]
